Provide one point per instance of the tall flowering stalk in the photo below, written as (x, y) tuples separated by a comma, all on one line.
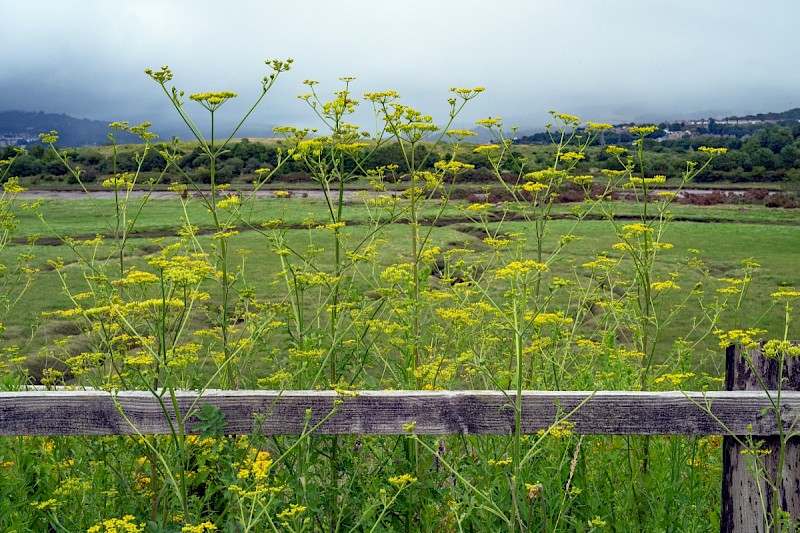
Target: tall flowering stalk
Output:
[(138, 319), (332, 159), (219, 209), (643, 241), (410, 128), (18, 278), (532, 196)]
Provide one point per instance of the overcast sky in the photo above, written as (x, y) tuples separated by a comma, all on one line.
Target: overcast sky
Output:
[(603, 60)]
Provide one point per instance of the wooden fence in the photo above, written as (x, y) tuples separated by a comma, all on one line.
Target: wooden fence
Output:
[(744, 408)]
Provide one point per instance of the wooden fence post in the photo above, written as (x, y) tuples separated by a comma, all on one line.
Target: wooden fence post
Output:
[(742, 493)]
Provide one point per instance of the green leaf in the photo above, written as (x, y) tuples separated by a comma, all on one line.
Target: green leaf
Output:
[(212, 421)]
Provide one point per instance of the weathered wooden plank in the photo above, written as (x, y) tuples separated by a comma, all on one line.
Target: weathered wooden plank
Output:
[(386, 412), (742, 492)]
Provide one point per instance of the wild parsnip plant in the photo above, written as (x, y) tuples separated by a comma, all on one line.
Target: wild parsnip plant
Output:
[(382, 291), (771, 364), (16, 278), (223, 209)]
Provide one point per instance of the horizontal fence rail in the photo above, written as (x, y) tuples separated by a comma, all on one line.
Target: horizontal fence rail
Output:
[(387, 412)]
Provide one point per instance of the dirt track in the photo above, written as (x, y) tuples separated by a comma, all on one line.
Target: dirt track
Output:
[(297, 193), (162, 195)]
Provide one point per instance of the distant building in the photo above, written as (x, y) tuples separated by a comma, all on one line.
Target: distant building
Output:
[(16, 139)]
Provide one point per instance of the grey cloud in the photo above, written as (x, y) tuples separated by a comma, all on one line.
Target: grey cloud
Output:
[(604, 60)]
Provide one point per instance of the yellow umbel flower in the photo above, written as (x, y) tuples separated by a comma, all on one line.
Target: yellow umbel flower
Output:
[(712, 151), (642, 131), (402, 480), (212, 101), (291, 511), (520, 268), (663, 286), (117, 525), (199, 528)]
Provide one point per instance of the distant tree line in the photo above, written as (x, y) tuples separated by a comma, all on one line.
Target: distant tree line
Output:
[(767, 153), (241, 160), (770, 154)]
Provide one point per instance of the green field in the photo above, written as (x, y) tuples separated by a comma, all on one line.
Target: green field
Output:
[(722, 236)]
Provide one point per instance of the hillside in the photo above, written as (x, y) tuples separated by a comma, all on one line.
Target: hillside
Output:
[(791, 114), (23, 127)]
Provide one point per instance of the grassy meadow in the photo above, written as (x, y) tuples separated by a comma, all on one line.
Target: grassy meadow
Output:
[(723, 236)]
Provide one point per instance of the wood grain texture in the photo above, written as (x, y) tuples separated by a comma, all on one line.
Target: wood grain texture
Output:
[(385, 412), (742, 493)]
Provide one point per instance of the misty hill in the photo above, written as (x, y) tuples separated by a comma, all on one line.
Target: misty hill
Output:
[(23, 127), (733, 126), (792, 114)]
